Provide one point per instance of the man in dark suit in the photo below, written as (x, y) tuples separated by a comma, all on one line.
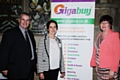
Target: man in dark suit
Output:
[(17, 54)]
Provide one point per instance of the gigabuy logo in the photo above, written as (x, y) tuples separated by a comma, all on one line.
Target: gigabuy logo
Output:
[(61, 9)]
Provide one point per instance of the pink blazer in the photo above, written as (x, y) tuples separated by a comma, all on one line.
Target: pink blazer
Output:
[(109, 55)]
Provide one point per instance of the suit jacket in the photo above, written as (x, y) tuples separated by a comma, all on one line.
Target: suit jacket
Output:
[(109, 54), (43, 55), (15, 54)]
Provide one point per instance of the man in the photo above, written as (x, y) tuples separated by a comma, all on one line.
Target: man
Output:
[(17, 55)]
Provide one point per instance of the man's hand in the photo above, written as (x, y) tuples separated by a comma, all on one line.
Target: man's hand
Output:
[(5, 72)]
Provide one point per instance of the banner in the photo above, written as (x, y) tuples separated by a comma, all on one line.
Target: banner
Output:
[(75, 20)]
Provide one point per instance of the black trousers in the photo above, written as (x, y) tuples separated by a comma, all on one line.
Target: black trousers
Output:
[(31, 73), (51, 74)]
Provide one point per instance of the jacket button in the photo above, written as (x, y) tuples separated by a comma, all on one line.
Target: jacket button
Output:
[(43, 60)]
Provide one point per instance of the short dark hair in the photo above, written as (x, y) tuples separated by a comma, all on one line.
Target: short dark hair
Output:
[(49, 22), (25, 13), (107, 18)]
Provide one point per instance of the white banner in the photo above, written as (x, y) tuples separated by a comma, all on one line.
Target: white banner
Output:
[(75, 20)]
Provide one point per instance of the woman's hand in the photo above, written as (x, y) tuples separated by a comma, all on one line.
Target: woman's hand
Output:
[(62, 75), (5, 72), (96, 69), (111, 74), (41, 76)]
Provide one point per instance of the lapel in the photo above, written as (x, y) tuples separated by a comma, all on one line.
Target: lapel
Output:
[(47, 44), (21, 34), (106, 38), (107, 35), (30, 36), (32, 39)]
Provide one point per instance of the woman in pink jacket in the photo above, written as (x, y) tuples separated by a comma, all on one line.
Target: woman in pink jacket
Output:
[(106, 52)]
